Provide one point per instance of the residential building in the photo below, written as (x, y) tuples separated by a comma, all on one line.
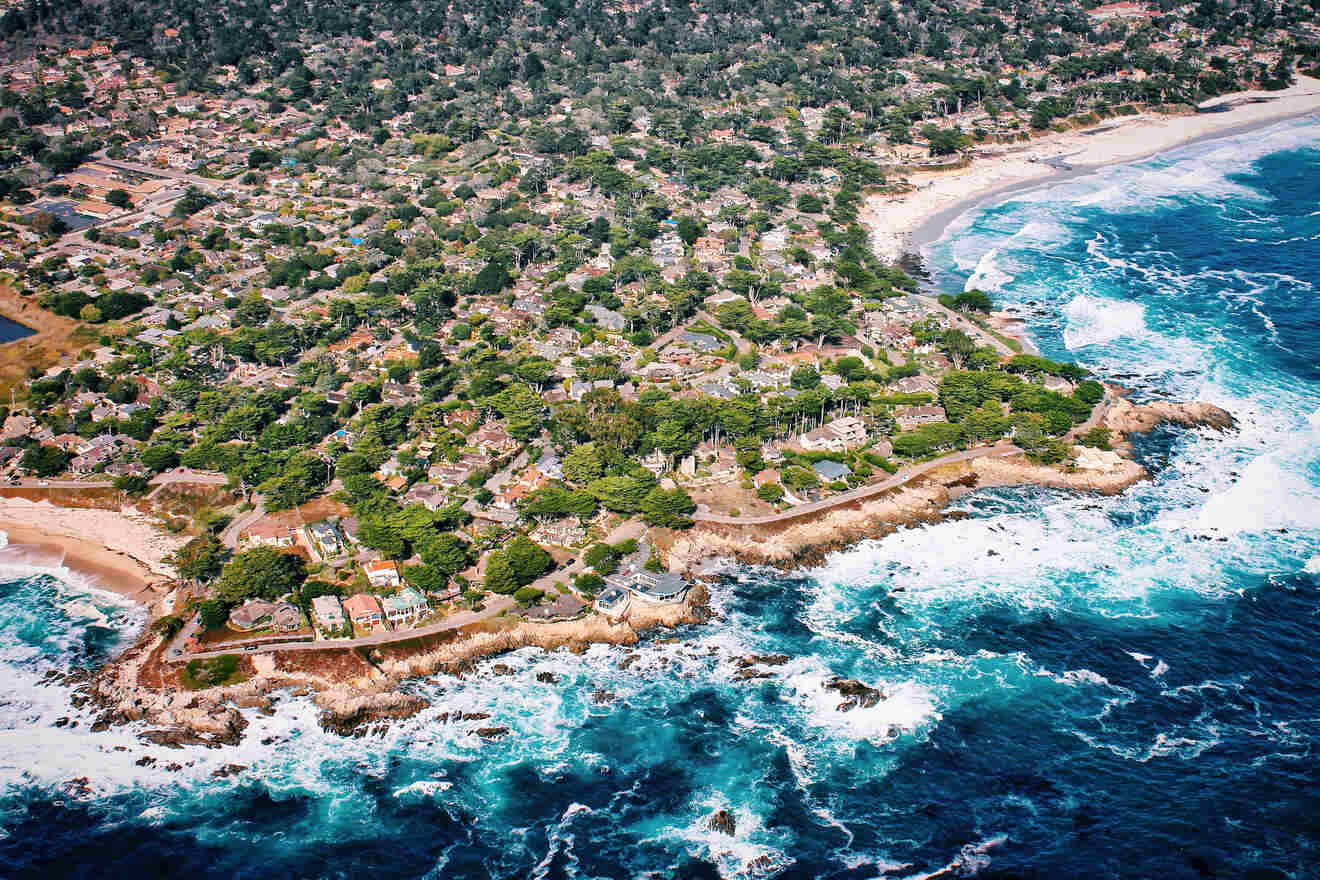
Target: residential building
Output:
[(251, 614), (909, 417), (266, 533), (363, 610), (328, 612), (382, 573), (405, 606)]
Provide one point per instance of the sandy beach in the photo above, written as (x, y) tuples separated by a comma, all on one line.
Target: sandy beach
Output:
[(121, 552), (902, 224)]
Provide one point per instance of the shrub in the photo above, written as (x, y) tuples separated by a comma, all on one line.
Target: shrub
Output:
[(209, 673), (528, 596)]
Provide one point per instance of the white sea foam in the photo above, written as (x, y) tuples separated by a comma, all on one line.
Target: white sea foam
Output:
[(1268, 496), (1094, 320), (988, 276)]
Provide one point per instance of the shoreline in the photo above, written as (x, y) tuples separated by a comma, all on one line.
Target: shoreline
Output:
[(910, 223), (128, 559)]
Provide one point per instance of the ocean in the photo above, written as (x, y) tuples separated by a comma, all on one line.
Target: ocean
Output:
[(1075, 686)]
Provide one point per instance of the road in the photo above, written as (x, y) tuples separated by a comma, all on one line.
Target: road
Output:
[(178, 475), (862, 492), (494, 605), (229, 537), (965, 325), (1098, 413)]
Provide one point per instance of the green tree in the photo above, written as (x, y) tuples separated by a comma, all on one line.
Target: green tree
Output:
[(500, 577), (583, 464), (202, 558), (261, 572), (213, 613), (522, 408), (670, 508), (45, 461), (527, 559)]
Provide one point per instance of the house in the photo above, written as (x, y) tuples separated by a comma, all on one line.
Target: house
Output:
[(839, 435), (429, 495), (251, 614), (327, 612), (916, 385), (492, 439), (653, 586), (1058, 384), (703, 342), (324, 539), (407, 605), (382, 573), (831, 471), (657, 462), (363, 610), (91, 460), (266, 533), (767, 477), (610, 320), (909, 417), (565, 532), (564, 607), (286, 617)]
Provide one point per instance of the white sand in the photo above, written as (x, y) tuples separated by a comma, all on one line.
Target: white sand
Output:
[(892, 219), (101, 541)]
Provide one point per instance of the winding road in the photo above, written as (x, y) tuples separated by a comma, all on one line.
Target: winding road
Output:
[(861, 493)]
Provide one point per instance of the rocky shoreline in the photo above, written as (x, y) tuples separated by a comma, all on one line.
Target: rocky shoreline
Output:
[(807, 543), (358, 691)]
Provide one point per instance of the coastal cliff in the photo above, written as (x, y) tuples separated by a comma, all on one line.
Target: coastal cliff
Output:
[(803, 542), (356, 691)]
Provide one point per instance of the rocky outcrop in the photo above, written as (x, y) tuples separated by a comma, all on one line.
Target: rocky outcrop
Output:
[(855, 694), (369, 714), (1126, 418), (723, 822), (459, 656), (211, 731), (806, 541)]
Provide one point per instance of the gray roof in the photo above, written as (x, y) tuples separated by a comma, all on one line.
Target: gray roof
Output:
[(831, 470)]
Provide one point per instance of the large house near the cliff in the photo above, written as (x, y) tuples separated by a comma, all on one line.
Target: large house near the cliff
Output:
[(327, 612), (363, 610)]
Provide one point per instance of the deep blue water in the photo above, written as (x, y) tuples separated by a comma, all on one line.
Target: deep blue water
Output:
[(12, 330), (1077, 687)]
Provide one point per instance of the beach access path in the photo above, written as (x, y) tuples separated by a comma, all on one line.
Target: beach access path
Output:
[(861, 493)]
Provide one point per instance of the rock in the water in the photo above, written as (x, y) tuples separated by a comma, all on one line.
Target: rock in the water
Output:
[(228, 770), (370, 715), (601, 697), (855, 694), (547, 678), (762, 660), (724, 823), (491, 732)]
